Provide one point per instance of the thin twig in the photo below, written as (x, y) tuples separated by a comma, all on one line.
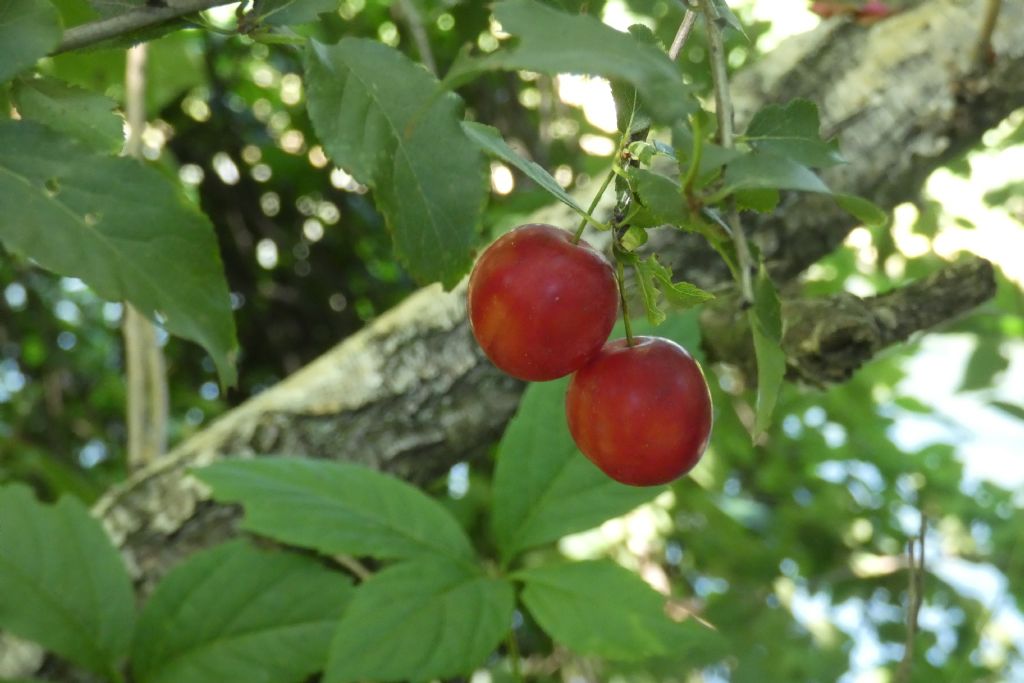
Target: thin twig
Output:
[(915, 596), (146, 397), (983, 48), (134, 20), (409, 12), (723, 109), (689, 19)]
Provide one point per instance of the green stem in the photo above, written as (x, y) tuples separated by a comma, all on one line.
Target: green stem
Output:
[(593, 205), (623, 141), (723, 109), (620, 277), (513, 655), (695, 155)]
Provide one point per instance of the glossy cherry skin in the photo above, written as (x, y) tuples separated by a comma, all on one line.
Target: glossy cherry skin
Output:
[(539, 305), (641, 413)]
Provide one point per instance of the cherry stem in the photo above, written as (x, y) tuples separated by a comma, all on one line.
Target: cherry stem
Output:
[(620, 278), (593, 205)]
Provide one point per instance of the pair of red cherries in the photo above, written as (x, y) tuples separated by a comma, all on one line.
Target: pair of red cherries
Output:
[(541, 307)]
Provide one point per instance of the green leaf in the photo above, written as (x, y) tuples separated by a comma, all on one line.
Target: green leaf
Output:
[(726, 16), (86, 116), (766, 170), (543, 487), (793, 131), (122, 227), (655, 277), (600, 608), (634, 238), (29, 29), (867, 212), (285, 12), (761, 200), (555, 42), (62, 583), (337, 508), (766, 325), (378, 116), (489, 140), (418, 621), (628, 113), (235, 613), (1011, 409), (661, 198)]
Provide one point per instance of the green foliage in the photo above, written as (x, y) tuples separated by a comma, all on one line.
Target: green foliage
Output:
[(84, 214), (29, 29), (570, 600), (420, 620), (84, 115), (337, 508), (543, 487), (791, 130), (372, 109), (555, 42), (489, 140), (57, 568), (653, 278), (238, 613)]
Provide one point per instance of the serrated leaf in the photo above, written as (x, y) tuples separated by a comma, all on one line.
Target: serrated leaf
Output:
[(489, 139), (87, 116), (654, 277), (555, 42), (378, 115), (122, 227), (766, 326), (336, 508), (661, 198), (793, 130), (867, 212), (29, 30), (62, 583), (726, 15), (543, 486), (235, 613), (765, 170), (600, 608), (418, 621), (629, 116)]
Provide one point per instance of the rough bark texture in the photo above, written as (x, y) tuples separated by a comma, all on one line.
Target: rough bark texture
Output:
[(411, 394)]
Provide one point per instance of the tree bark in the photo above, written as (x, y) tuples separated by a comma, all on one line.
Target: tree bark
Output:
[(411, 394)]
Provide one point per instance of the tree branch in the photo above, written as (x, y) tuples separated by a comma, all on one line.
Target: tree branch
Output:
[(828, 339), (134, 20)]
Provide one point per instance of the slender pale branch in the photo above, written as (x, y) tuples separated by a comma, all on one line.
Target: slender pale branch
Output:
[(723, 109), (983, 48), (122, 24), (689, 19)]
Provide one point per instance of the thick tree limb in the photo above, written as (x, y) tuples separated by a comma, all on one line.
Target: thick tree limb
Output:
[(903, 97), (827, 339)]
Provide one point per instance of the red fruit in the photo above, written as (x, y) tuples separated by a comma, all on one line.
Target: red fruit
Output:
[(541, 306), (641, 413)]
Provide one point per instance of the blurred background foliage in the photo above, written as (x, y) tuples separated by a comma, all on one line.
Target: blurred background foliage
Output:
[(795, 548)]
